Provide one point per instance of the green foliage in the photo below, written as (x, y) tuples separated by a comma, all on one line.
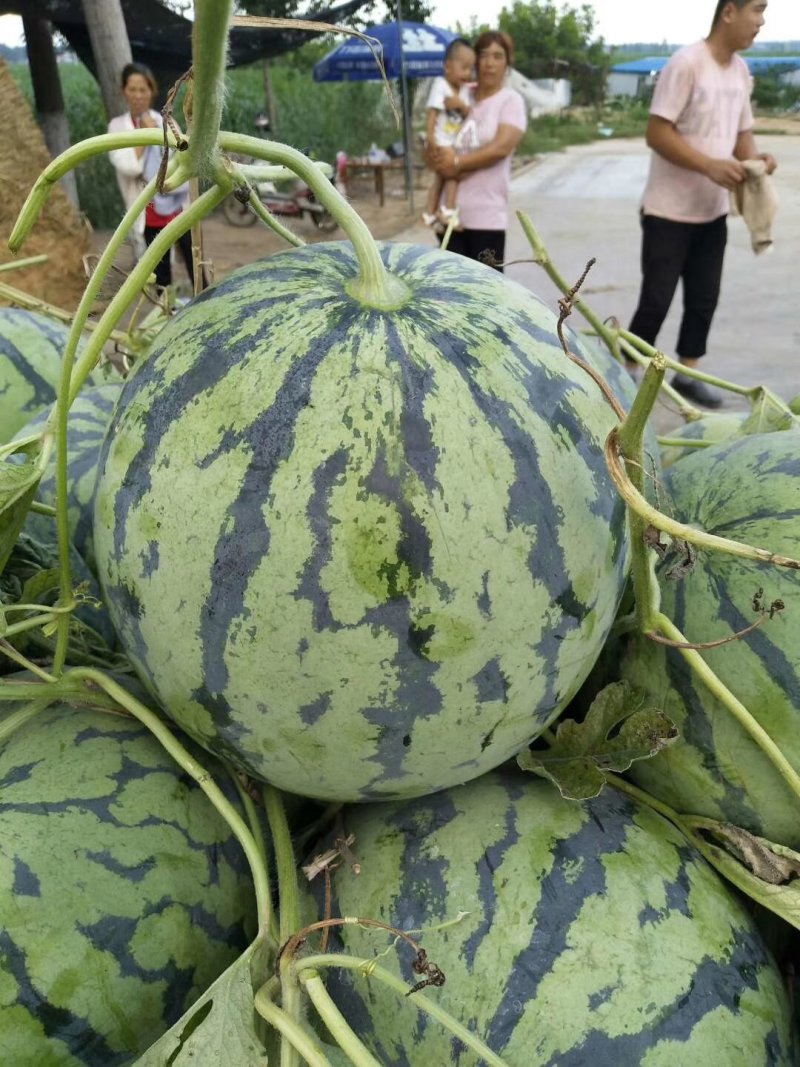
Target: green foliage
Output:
[(311, 116), (551, 133), (551, 42), (772, 93), (316, 117)]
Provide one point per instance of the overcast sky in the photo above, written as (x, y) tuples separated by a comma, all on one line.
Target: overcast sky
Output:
[(618, 21)]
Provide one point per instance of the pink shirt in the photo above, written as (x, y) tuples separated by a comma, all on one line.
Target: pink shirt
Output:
[(483, 194), (710, 106)]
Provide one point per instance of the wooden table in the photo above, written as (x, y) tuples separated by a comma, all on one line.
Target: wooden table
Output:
[(378, 170)]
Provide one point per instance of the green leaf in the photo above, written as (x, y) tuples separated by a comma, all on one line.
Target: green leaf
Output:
[(767, 872), (37, 587), (616, 731), (18, 482), (220, 1027), (768, 415)]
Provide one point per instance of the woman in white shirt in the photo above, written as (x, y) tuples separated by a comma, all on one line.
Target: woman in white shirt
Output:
[(139, 89), (137, 166)]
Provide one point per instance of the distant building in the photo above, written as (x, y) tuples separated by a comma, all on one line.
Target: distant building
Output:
[(639, 75)]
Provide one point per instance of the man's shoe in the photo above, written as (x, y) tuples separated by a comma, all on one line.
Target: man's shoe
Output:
[(696, 391)]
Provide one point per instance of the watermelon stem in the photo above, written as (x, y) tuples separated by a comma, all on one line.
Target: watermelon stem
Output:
[(13, 721), (541, 257), (374, 286), (67, 161), (296, 1037), (337, 1025), (207, 89), (286, 867), (429, 1007), (71, 381)]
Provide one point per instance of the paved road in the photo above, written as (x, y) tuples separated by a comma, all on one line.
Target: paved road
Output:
[(584, 203)]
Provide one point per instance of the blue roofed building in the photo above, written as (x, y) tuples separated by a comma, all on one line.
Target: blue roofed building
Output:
[(637, 76)]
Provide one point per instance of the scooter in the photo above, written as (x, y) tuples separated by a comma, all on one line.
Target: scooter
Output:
[(297, 202)]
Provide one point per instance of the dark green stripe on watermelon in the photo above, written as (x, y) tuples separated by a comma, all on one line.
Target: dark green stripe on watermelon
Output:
[(594, 935), (748, 490), (392, 547)]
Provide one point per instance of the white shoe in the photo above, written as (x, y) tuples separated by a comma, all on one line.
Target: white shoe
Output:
[(428, 219)]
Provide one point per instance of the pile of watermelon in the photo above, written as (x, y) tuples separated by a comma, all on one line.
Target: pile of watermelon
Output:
[(369, 556)]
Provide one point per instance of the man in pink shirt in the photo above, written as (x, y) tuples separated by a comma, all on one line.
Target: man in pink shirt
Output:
[(700, 128)]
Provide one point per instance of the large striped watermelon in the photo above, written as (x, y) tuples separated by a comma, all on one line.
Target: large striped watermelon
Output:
[(364, 554), (748, 490), (88, 421), (122, 893), (594, 936), (31, 348)]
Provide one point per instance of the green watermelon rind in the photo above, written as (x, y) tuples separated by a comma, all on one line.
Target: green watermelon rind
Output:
[(594, 934), (272, 496)]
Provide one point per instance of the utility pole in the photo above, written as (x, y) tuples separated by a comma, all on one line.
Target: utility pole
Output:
[(111, 49)]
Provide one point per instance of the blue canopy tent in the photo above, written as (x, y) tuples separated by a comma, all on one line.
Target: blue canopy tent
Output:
[(418, 51), (407, 50)]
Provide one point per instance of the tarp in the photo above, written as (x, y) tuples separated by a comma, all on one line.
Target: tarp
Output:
[(162, 39)]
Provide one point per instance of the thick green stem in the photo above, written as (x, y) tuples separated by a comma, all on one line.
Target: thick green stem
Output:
[(256, 829), (374, 286), (270, 221), (632, 352), (292, 1032), (338, 1027), (71, 383), (289, 911), (40, 620), (419, 1000), (22, 661), (681, 368), (682, 442), (164, 735), (631, 441), (209, 52), (284, 862), (24, 300)]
